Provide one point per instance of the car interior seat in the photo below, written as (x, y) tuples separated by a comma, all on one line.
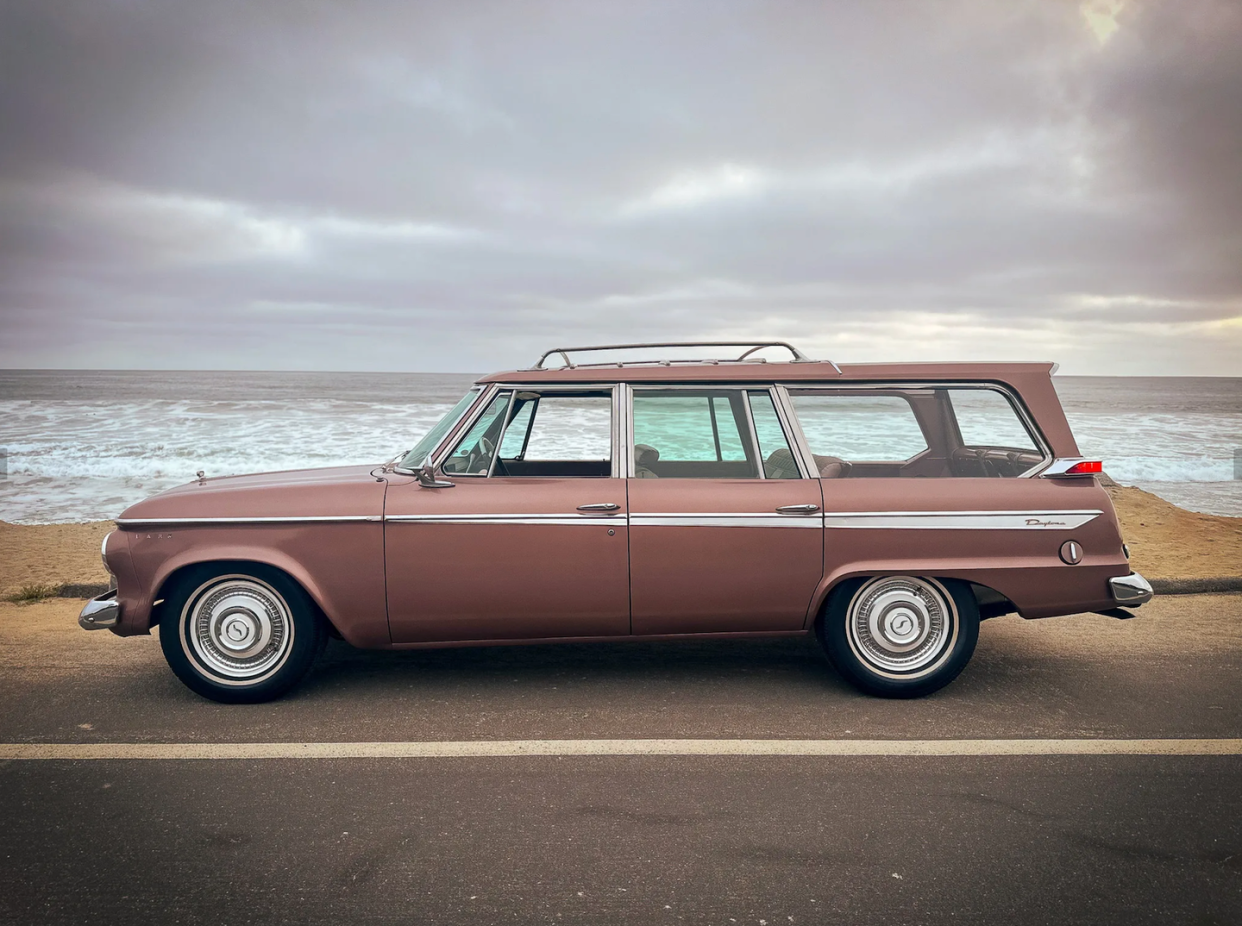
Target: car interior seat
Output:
[(780, 465), (832, 467), (644, 456)]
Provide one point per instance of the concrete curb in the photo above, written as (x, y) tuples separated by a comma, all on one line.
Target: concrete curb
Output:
[(85, 590), (1197, 586)]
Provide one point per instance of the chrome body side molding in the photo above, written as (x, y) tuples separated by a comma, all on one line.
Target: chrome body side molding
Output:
[(311, 519), (962, 520), (516, 518), (738, 519)]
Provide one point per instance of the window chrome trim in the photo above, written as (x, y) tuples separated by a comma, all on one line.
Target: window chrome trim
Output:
[(1015, 402), (628, 393)]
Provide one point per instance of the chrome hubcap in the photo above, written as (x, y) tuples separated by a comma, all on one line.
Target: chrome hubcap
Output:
[(240, 627), (901, 624)]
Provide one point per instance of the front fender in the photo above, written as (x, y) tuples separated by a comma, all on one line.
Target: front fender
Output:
[(340, 566)]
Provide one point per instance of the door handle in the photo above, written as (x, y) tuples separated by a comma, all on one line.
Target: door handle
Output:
[(798, 509), (599, 506)]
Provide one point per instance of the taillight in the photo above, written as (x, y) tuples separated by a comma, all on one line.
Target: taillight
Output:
[(1073, 466)]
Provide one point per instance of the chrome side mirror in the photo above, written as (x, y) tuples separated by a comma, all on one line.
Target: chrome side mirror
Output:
[(427, 477)]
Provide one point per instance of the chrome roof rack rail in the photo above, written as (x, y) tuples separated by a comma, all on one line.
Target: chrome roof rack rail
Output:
[(744, 357)]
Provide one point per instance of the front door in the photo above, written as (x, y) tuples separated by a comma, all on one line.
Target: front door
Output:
[(531, 540), (726, 533)]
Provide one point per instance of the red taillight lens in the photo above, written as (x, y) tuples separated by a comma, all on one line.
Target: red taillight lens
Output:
[(1086, 468)]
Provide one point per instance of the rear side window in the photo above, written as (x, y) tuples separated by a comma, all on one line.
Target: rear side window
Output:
[(915, 431), (853, 426), (692, 434)]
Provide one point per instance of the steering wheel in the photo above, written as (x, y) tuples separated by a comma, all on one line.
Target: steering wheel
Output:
[(482, 455)]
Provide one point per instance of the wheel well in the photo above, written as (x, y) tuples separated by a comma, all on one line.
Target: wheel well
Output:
[(991, 602), (217, 565)]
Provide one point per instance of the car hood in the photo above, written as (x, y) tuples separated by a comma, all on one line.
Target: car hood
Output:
[(338, 492)]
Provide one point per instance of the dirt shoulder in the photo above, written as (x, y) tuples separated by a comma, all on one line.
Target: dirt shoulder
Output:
[(51, 554), (1166, 542)]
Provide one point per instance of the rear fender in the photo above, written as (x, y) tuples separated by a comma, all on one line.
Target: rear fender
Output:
[(1037, 586)]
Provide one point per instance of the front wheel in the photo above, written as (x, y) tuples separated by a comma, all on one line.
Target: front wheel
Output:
[(900, 636), (240, 636)]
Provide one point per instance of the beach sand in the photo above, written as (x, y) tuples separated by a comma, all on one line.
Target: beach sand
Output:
[(1166, 542)]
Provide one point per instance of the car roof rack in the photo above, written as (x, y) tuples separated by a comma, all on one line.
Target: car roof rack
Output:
[(744, 357)]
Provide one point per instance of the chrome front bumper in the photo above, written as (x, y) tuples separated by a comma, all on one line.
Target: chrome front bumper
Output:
[(101, 613), (1130, 591)]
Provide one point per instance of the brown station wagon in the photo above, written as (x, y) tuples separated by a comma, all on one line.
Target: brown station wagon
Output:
[(887, 508)]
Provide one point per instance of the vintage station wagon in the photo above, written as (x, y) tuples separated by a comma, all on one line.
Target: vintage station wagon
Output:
[(887, 508)]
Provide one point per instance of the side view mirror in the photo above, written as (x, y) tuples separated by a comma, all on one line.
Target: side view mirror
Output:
[(427, 477)]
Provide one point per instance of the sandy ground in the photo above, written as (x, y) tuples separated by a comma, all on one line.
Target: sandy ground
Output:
[(1165, 542)]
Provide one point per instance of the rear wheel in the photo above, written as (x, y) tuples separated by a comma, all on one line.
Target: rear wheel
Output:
[(900, 636), (240, 636)]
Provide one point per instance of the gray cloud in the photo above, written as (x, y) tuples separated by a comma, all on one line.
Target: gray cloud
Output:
[(459, 186)]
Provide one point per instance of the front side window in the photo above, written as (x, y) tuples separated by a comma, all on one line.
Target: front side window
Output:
[(538, 434), (558, 435), (692, 434)]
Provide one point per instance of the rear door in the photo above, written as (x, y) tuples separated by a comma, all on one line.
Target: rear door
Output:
[(725, 526)]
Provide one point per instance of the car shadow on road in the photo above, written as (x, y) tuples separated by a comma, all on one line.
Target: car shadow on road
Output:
[(792, 660)]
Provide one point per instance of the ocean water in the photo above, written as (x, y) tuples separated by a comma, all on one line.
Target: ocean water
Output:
[(84, 445)]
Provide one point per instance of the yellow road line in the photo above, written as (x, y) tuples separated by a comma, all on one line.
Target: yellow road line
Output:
[(624, 747)]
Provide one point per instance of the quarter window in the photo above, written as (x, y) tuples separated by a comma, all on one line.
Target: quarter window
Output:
[(473, 454), (985, 418)]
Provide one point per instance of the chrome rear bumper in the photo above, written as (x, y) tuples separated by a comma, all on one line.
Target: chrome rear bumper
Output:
[(1130, 591), (101, 613)]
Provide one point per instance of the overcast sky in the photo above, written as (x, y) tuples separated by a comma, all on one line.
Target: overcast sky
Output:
[(457, 186)]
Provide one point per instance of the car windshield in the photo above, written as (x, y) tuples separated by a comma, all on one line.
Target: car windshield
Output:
[(414, 459)]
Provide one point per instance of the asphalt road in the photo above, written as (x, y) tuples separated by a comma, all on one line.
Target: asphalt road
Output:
[(632, 839)]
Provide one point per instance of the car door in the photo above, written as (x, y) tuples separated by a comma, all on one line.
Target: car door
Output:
[(725, 527), (530, 541)]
